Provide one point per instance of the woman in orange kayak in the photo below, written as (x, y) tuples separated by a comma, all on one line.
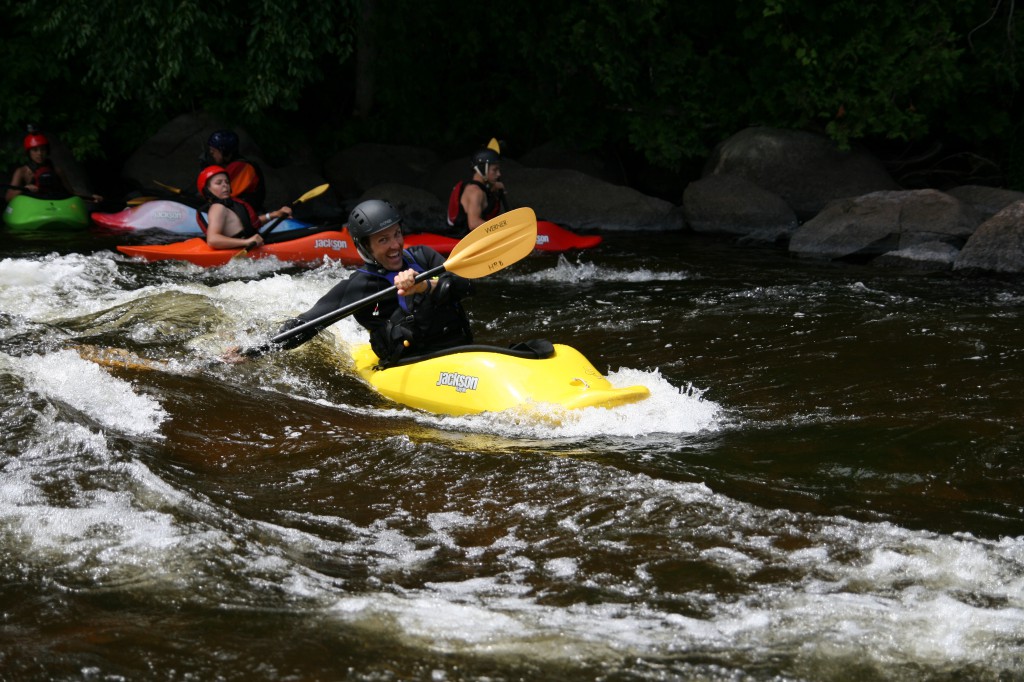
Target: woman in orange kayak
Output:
[(232, 223)]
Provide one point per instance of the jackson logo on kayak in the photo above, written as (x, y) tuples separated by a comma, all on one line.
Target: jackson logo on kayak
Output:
[(335, 244), (543, 239), (460, 382)]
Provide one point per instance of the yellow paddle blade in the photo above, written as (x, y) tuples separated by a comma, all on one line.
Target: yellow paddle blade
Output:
[(136, 201), (495, 245), (312, 194), (169, 188), (493, 144)]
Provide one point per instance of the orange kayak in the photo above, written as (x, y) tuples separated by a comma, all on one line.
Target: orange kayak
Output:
[(333, 244), (336, 245)]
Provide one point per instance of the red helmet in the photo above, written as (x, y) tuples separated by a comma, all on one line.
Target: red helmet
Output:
[(33, 140), (205, 175)]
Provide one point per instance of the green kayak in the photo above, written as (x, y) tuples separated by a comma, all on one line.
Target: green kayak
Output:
[(30, 214)]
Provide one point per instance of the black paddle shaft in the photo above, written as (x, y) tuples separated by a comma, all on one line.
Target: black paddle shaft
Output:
[(330, 318)]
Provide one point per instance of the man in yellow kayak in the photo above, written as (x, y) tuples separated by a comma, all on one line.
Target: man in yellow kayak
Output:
[(421, 318)]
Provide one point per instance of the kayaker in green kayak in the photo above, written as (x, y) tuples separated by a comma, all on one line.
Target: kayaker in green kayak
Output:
[(40, 176), (231, 223), (479, 199), (422, 318)]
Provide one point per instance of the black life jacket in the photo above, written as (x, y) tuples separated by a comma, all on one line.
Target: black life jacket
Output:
[(427, 326), (457, 218), (246, 214)]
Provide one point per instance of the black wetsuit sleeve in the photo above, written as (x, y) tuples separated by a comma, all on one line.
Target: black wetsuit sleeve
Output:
[(337, 297)]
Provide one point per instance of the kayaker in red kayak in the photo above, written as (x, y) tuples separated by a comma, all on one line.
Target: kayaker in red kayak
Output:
[(247, 181), (231, 223), (40, 175), (479, 199), (421, 318)]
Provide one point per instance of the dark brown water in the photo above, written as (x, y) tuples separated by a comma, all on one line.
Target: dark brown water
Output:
[(827, 482)]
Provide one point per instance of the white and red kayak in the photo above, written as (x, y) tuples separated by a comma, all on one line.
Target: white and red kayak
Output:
[(178, 218), (167, 216)]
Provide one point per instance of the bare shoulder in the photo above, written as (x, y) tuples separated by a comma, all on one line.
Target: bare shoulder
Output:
[(472, 190)]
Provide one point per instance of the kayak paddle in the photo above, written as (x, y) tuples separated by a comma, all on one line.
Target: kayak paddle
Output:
[(311, 194), (170, 188), (492, 246)]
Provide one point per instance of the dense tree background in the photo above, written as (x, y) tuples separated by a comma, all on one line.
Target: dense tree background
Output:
[(930, 85)]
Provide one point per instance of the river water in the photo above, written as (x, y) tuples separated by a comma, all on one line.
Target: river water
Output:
[(827, 482)]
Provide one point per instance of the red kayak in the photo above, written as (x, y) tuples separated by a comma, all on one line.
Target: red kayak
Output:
[(550, 238)]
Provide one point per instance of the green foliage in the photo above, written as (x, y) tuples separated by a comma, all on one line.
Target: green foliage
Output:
[(87, 67), (853, 69), (662, 78)]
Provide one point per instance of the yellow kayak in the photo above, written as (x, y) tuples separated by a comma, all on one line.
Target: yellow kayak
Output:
[(473, 379)]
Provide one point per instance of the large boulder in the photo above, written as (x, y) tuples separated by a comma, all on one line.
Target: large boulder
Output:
[(997, 246), (731, 205), (421, 211), (354, 170), (806, 170), (931, 256), (555, 155), (986, 201), (865, 227), (582, 202), (172, 157)]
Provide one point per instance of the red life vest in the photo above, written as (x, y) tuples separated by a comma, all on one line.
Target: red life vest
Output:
[(44, 176), (247, 182), (457, 217)]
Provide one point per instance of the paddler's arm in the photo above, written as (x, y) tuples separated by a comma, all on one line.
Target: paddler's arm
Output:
[(332, 300), (270, 216), (20, 183), (473, 200)]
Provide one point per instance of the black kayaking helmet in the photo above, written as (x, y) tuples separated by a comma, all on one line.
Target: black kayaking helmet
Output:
[(483, 160), (224, 140), (368, 218)]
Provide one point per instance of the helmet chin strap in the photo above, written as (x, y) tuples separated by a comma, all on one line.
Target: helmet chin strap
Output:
[(487, 168)]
